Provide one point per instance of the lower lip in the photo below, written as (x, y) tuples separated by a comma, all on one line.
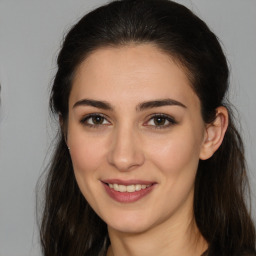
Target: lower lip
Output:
[(128, 197)]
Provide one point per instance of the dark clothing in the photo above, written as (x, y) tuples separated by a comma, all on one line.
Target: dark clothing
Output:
[(245, 253)]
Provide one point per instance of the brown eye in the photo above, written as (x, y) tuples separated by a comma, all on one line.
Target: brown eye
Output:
[(97, 120), (159, 120)]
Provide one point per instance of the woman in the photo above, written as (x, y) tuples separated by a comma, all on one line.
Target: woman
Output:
[(148, 161)]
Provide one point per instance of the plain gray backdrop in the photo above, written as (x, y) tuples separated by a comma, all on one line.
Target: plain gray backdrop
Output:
[(30, 36)]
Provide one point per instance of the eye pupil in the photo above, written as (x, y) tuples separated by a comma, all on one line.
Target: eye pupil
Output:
[(159, 120), (97, 119)]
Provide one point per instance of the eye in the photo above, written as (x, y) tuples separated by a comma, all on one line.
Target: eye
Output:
[(161, 121), (95, 120)]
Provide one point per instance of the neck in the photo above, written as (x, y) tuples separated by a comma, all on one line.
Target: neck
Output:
[(178, 239)]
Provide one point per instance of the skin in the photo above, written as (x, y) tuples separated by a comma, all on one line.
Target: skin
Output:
[(127, 144)]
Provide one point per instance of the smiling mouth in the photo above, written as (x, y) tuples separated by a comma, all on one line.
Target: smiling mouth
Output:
[(129, 188), (127, 191)]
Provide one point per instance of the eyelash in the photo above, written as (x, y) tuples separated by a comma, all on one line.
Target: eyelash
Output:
[(171, 121), (84, 120), (168, 118)]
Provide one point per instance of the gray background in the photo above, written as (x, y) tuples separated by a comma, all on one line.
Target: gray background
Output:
[(30, 35)]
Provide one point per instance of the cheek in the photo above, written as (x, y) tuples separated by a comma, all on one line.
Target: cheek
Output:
[(177, 160), (86, 152), (177, 154)]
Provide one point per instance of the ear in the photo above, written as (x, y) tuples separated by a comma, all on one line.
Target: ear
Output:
[(214, 134)]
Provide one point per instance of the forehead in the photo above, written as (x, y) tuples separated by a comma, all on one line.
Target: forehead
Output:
[(131, 73)]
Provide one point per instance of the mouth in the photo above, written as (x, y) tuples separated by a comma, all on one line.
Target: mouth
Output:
[(128, 191), (130, 188)]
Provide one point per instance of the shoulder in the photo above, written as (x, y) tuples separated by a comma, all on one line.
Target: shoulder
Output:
[(244, 253), (247, 254)]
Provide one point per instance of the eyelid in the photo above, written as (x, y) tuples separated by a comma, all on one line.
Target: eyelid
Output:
[(169, 118), (88, 116)]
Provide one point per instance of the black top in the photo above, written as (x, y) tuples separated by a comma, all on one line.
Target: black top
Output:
[(245, 253)]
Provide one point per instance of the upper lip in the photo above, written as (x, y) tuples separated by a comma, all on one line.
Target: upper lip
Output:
[(127, 182)]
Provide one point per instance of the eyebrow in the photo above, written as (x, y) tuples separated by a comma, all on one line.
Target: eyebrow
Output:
[(159, 103), (142, 106), (93, 103)]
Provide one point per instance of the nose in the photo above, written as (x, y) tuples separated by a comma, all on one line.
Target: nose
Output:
[(125, 152)]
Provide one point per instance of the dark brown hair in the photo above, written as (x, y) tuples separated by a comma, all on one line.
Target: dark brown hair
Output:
[(69, 225)]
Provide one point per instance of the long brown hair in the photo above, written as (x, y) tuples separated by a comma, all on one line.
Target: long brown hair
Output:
[(69, 225)]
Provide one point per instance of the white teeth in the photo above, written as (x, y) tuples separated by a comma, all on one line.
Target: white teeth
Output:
[(137, 187), (122, 188), (116, 187), (129, 188)]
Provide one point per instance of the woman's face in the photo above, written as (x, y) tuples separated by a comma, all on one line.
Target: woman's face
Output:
[(135, 134)]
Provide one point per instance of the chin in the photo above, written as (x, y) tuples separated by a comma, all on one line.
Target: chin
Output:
[(128, 228), (129, 224)]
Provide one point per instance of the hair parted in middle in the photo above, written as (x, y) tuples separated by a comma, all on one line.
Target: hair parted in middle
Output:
[(69, 225)]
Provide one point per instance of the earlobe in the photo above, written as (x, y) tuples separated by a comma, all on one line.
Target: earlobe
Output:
[(215, 133)]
